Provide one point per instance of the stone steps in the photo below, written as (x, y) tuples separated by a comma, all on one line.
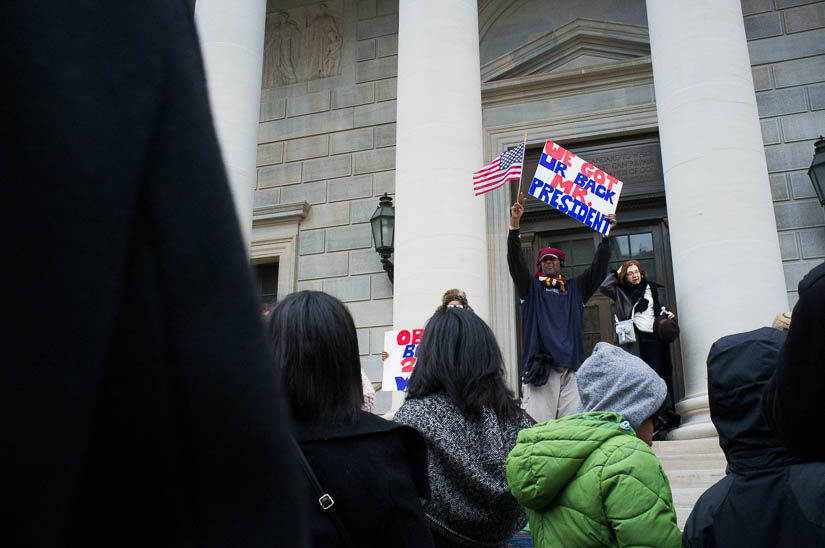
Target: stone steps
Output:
[(691, 467)]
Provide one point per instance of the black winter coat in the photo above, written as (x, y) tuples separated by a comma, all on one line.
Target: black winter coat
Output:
[(795, 395), (137, 398), (769, 498), (375, 471), (612, 289)]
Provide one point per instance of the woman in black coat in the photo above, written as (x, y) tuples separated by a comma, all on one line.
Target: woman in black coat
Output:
[(642, 300), (374, 470)]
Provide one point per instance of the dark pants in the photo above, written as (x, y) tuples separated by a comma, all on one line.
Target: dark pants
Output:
[(655, 354)]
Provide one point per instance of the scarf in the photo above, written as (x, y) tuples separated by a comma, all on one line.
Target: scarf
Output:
[(636, 294), (559, 282)]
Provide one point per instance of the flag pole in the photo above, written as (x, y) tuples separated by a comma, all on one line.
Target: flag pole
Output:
[(522, 165)]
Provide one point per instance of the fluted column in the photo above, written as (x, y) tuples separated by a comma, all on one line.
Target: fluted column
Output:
[(440, 225), (232, 41), (726, 262)]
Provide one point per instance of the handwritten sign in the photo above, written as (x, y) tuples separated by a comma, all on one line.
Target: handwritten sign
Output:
[(574, 187), (402, 347)]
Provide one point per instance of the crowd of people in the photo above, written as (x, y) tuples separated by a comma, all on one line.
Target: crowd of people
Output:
[(160, 411)]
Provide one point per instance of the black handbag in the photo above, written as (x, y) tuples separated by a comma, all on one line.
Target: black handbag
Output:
[(324, 498), (666, 329)]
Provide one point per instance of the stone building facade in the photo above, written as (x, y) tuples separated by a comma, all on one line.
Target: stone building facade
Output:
[(336, 97)]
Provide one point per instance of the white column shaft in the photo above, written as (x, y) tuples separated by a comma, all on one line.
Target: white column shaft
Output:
[(440, 227), (726, 262), (232, 42)]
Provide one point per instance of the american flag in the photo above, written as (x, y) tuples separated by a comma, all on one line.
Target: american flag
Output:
[(506, 167)]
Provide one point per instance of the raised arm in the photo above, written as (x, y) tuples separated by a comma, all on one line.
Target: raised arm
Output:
[(590, 279), (515, 258)]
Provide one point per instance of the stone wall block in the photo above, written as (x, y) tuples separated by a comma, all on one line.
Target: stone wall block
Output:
[(282, 92), (362, 210), (365, 50), (373, 160), (802, 71), (817, 94), (351, 141), (373, 115), (763, 26), (762, 78), (352, 288), (371, 313), (812, 243), (377, 337), (310, 285), (788, 247), (308, 147), (385, 136), (374, 368), (364, 261), (383, 183), (308, 104), (386, 90), (325, 215), (366, 9), (385, 7), (798, 214), (270, 196), (381, 286), (349, 237), (311, 193), (324, 266), (796, 270), (311, 242), (783, 4), (270, 153), (273, 110), (777, 103), (278, 175), (304, 126), (801, 186), (783, 48), (770, 132), (327, 168), (376, 69), (750, 7), (377, 26), (383, 401), (349, 189), (363, 341), (353, 96), (789, 157), (779, 187), (802, 127), (805, 18), (386, 45)]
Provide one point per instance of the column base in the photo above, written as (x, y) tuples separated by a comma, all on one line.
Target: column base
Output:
[(696, 423)]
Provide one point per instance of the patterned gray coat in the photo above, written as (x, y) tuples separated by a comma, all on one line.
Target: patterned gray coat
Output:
[(470, 502)]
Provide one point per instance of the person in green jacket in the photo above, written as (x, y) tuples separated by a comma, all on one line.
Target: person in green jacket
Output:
[(591, 479)]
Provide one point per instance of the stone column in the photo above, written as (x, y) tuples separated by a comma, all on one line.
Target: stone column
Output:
[(232, 42), (726, 262), (440, 226)]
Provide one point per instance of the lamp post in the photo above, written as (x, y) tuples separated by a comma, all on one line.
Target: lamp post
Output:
[(383, 232), (817, 170)]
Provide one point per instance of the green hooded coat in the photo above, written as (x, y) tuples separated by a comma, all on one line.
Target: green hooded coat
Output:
[(587, 480)]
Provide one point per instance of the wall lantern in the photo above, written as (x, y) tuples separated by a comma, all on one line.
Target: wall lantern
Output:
[(383, 231), (817, 170)]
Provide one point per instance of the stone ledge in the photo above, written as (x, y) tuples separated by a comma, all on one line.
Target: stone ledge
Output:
[(280, 213)]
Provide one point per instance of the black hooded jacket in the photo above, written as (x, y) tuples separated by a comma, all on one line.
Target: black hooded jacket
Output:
[(769, 497)]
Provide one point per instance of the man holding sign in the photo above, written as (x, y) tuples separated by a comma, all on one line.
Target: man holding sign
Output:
[(552, 307)]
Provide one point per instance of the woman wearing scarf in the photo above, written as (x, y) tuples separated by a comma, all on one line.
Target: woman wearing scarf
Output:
[(642, 300)]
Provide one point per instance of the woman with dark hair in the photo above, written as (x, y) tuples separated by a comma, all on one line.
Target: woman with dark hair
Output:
[(642, 300), (374, 470), (457, 399)]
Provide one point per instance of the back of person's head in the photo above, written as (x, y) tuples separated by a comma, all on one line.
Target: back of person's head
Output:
[(315, 351), (459, 356), (456, 295), (614, 380), (739, 366)]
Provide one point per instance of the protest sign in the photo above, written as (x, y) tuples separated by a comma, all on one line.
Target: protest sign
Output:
[(574, 187), (402, 349)]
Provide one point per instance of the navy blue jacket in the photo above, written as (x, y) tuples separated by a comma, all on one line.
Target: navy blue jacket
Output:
[(552, 320)]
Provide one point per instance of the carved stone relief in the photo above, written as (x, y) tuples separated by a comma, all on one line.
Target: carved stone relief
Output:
[(302, 44)]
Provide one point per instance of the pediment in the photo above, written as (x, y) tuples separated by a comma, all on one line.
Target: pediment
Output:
[(576, 45)]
